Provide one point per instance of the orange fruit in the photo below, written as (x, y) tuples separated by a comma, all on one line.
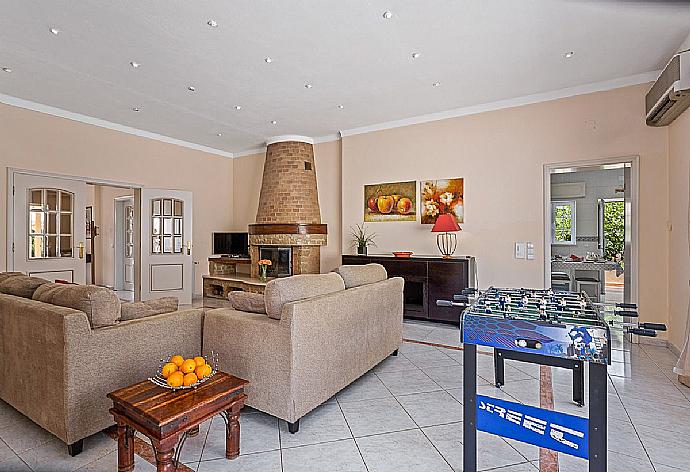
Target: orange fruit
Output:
[(199, 361), (188, 366), (190, 379), (177, 360), (176, 379), (168, 369), (203, 371)]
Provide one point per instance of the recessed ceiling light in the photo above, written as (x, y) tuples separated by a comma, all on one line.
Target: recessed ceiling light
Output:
[(136, 109), (568, 54), (134, 64), (268, 60), (436, 84), (308, 85), (340, 107), (7, 69), (54, 31), (238, 107), (388, 14), (212, 23), (191, 88), (219, 134), (415, 55), (274, 122)]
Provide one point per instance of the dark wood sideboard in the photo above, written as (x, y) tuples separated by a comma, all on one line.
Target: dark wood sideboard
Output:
[(427, 279)]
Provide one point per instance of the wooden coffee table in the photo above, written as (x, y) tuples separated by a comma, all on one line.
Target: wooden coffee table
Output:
[(166, 417)]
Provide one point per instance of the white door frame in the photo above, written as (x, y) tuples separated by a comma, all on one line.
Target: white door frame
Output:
[(118, 254), (634, 196), (12, 171)]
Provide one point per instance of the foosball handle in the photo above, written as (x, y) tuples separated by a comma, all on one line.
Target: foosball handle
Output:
[(628, 313), (444, 303), (642, 332), (653, 326), (460, 298), (627, 305), (469, 291)]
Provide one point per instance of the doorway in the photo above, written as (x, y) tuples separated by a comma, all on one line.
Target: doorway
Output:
[(590, 211), (125, 242)]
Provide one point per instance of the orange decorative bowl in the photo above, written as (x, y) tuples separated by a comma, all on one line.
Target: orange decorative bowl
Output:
[(403, 254)]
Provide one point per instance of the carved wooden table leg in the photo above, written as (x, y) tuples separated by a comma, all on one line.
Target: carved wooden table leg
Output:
[(164, 460), (125, 448), (232, 432)]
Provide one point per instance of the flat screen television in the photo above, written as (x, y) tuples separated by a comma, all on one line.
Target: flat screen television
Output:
[(231, 243)]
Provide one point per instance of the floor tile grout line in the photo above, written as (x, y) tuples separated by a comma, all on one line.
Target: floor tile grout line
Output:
[(353, 434)]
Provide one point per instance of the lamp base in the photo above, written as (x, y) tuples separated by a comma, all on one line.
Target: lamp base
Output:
[(447, 243)]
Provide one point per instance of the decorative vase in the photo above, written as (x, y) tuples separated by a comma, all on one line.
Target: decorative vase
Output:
[(263, 272), (362, 250)]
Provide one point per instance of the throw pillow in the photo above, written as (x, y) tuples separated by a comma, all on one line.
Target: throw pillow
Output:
[(356, 275), (247, 301), (101, 305), (136, 310), (21, 285)]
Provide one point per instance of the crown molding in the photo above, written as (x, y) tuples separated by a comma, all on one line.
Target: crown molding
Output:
[(250, 152), (509, 103), (262, 150), (90, 120)]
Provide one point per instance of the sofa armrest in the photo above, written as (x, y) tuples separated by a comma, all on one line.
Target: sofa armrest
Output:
[(112, 357), (257, 348)]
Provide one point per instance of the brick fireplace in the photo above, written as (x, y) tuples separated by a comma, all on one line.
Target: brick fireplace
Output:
[(289, 215)]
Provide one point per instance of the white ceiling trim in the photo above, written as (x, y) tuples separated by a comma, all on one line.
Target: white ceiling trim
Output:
[(289, 137), (509, 103), (262, 150), (90, 120)]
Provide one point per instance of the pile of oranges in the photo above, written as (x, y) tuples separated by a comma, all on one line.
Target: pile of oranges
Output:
[(185, 372)]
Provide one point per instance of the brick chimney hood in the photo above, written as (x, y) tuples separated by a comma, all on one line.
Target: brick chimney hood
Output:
[(289, 213)]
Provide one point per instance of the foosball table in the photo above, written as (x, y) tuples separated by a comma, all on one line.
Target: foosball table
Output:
[(561, 329)]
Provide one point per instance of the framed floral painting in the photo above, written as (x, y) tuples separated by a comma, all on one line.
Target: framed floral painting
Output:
[(441, 196)]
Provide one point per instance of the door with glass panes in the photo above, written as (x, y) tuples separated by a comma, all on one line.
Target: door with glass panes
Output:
[(49, 227)]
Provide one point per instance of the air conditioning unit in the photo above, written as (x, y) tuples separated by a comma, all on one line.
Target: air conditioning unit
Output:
[(670, 94)]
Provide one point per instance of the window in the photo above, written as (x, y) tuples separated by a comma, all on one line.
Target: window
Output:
[(167, 217), (563, 223), (50, 223)]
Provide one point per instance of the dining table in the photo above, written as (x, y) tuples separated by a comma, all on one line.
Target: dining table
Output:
[(570, 267)]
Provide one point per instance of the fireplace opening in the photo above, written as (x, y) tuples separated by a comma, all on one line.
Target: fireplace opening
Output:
[(281, 258)]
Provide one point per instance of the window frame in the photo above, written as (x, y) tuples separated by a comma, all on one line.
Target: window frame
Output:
[(573, 226), (45, 213)]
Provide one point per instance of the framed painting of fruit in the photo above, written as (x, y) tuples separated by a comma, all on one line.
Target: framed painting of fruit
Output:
[(396, 201), (442, 196)]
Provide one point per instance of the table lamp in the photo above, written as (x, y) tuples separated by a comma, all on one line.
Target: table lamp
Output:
[(447, 241)]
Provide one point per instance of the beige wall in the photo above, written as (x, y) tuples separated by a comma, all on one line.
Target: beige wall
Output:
[(247, 185), (679, 258), (501, 155), (37, 141)]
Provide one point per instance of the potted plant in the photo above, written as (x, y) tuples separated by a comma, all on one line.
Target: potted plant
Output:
[(362, 239)]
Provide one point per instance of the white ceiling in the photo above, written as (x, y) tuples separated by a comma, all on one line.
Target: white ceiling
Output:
[(480, 50)]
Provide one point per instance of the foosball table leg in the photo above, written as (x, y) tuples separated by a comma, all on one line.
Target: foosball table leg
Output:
[(579, 383), (469, 405), (598, 410), (499, 370)]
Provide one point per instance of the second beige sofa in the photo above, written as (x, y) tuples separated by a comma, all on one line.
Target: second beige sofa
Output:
[(330, 330)]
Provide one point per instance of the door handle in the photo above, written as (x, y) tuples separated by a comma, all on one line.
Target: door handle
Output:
[(81, 249), (189, 248)]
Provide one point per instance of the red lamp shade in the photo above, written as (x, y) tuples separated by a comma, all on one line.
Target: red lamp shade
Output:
[(445, 223)]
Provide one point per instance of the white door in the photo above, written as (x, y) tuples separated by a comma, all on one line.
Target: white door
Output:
[(166, 244), (49, 227), (128, 246)]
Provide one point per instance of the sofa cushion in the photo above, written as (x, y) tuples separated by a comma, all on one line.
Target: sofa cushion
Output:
[(135, 310), (101, 305), (356, 275), (21, 285), (6, 275), (298, 287), (247, 301)]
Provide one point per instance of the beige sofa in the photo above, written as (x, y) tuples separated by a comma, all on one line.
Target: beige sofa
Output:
[(63, 348), (321, 333)]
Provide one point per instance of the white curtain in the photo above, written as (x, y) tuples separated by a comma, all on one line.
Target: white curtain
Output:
[(683, 366)]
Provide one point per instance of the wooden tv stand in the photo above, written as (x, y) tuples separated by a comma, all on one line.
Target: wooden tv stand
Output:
[(224, 278)]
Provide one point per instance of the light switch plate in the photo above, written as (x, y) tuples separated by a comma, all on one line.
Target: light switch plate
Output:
[(520, 250), (530, 251)]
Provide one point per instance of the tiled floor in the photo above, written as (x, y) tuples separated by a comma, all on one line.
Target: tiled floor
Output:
[(405, 415)]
